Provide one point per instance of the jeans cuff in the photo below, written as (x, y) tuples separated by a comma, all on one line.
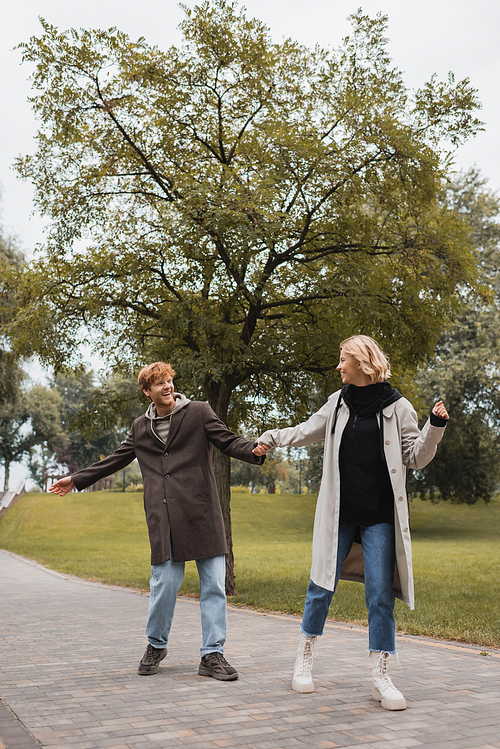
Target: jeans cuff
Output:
[(157, 644), (308, 634), (207, 651), (391, 652)]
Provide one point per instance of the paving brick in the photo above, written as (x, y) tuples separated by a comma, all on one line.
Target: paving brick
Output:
[(67, 684)]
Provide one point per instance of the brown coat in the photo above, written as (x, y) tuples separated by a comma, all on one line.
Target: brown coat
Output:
[(180, 494)]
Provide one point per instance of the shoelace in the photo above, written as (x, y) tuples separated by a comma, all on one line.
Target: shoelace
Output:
[(307, 652), (218, 658), (149, 655), (383, 672)]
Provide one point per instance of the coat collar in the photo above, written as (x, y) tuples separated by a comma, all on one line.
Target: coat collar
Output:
[(389, 410)]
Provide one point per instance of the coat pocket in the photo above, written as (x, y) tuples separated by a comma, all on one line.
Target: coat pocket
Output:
[(198, 484)]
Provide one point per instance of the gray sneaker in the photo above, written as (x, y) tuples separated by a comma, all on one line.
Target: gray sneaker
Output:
[(215, 665), (150, 662)]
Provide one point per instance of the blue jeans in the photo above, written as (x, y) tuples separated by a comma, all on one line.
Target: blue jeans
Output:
[(166, 579), (378, 545)]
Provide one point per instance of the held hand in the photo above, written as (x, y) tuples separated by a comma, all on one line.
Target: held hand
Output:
[(63, 486), (440, 410), (261, 449)]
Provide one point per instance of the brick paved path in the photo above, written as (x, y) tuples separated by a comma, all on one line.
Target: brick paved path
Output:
[(69, 652)]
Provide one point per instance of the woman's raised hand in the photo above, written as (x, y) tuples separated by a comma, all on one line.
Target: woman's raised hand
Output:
[(440, 410)]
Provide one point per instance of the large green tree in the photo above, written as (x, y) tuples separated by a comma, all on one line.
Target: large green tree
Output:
[(237, 206)]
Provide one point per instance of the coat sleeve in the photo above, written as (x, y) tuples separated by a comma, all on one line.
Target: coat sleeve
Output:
[(121, 458), (418, 446), (227, 441), (312, 430)]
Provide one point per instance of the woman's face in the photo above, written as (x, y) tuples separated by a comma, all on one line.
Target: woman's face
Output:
[(350, 371)]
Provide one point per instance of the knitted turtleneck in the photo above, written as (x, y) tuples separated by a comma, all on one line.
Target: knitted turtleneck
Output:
[(366, 495)]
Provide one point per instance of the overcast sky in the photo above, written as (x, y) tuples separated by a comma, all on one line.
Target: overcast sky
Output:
[(426, 37)]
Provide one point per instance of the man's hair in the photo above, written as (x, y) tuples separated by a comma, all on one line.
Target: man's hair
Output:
[(153, 372), (367, 352)]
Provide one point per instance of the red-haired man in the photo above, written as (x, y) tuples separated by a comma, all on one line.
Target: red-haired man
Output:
[(172, 443)]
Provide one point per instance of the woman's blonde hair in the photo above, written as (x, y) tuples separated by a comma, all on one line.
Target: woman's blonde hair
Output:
[(371, 358)]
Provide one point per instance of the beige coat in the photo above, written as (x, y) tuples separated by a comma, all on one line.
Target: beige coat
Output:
[(405, 447)]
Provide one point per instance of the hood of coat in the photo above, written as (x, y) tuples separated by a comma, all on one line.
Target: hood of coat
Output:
[(180, 402)]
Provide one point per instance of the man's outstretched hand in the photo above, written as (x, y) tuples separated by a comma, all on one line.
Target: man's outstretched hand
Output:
[(261, 449), (63, 486)]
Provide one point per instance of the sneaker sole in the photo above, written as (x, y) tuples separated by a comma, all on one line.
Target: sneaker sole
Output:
[(204, 671), (388, 704), (302, 688), (153, 670)]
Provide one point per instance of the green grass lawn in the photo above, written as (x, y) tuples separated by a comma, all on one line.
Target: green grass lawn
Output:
[(102, 536)]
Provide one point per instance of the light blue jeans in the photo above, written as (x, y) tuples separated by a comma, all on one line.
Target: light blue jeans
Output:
[(378, 545), (166, 579)]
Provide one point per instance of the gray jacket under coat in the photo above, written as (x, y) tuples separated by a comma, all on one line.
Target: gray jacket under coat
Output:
[(180, 494)]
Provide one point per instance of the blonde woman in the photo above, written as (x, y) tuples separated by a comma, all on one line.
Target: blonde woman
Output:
[(361, 527)]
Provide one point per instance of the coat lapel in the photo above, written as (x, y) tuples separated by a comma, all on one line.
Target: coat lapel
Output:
[(175, 423), (151, 432)]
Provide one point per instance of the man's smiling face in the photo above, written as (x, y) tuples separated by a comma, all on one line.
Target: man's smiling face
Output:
[(161, 393)]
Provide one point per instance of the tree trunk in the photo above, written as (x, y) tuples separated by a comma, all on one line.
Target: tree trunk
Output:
[(222, 468), (7, 476), (219, 400)]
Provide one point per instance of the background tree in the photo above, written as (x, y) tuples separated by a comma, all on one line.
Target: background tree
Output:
[(77, 450), (238, 206), (45, 406), (313, 466), (102, 421), (466, 370), (14, 442), (11, 373), (16, 439), (275, 471), (76, 421)]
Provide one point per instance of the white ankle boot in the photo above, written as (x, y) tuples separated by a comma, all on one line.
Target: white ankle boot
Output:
[(302, 673), (384, 690)]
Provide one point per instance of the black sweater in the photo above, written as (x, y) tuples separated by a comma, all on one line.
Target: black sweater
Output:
[(366, 495)]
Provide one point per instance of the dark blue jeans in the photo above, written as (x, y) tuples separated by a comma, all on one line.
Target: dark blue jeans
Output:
[(378, 544)]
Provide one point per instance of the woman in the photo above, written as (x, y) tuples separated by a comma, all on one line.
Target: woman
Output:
[(361, 527)]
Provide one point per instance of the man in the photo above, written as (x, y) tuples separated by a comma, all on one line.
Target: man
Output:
[(172, 443)]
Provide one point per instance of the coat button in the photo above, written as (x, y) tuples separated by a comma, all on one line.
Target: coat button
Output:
[(165, 453), (167, 476), (405, 530), (400, 498), (388, 442), (393, 470), (165, 501)]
